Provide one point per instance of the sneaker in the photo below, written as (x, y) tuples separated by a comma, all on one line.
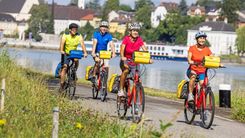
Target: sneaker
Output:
[(121, 93), (190, 97)]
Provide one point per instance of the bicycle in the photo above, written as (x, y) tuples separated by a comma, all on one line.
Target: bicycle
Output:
[(71, 76), (134, 99), (101, 80), (204, 101)]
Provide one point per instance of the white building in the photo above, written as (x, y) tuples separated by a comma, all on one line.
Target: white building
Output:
[(81, 4), (158, 15), (221, 36), (19, 10)]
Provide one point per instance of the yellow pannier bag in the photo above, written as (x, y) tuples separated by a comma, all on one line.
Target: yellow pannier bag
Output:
[(141, 57), (211, 62), (113, 85), (88, 72), (105, 55), (182, 90)]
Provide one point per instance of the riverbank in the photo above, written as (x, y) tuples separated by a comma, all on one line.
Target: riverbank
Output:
[(29, 104)]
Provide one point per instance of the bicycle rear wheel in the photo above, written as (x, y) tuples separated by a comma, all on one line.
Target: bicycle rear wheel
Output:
[(207, 112), (103, 89), (189, 111), (138, 103)]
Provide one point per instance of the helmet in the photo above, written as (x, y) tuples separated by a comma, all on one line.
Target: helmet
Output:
[(134, 26), (104, 24), (73, 25), (200, 34)]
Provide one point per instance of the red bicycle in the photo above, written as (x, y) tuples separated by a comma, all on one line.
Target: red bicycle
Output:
[(204, 102), (135, 98)]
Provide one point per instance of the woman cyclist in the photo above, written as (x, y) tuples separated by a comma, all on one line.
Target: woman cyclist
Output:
[(196, 54), (132, 42)]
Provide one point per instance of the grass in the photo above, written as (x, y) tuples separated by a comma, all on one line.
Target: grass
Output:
[(231, 57), (29, 104)]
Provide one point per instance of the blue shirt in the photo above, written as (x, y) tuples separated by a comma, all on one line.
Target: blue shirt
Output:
[(102, 41)]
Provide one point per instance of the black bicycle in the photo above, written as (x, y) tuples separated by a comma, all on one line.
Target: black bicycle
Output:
[(71, 76)]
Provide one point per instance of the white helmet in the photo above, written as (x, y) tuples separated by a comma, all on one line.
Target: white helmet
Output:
[(104, 24), (134, 26)]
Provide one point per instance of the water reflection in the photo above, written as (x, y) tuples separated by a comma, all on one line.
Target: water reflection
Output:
[(161, 75)]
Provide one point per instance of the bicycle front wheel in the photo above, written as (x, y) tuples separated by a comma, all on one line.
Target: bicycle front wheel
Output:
[(189, 111), (208, 109), (138, 103), (122, 102), (71, 84), (103, 90)]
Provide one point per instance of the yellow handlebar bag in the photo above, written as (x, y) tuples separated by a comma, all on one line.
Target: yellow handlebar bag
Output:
[(141, 57), (211, 62), (105, 54)]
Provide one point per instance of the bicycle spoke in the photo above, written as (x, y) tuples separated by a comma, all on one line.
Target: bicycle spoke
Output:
[(207, 114)]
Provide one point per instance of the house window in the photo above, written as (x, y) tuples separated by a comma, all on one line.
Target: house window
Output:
[(151, 48), (155, 48), (159, 48), (162, 48)]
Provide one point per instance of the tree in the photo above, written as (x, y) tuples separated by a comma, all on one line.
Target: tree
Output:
[(140, 3), (229, 9), (87, 31), (125, 7), (94, 4), (143, 15), (174, 28), (183, 7), (41, 20), (240, 41), (109, 6), (74, 2)]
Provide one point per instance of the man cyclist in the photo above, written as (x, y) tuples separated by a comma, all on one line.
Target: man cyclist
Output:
[(196, 54), (70, 41), (132, 42), (101, 39)]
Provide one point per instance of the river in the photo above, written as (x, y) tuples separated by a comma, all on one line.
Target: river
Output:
[(163, 74)]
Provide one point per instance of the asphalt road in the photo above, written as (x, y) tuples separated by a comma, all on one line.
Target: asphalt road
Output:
[(165, 110)]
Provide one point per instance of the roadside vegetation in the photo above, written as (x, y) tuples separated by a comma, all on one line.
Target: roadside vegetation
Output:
[(29, 104)]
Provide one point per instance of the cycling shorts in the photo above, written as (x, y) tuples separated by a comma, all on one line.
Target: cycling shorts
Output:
[(200, 75)]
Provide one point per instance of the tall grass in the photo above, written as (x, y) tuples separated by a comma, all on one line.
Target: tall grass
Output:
[(29, 104), (238, 105)]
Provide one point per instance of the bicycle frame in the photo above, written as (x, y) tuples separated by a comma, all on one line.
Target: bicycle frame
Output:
[(101, 69), (136, 79), (200, 98)]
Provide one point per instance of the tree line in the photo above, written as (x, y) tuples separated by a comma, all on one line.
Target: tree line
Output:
[(171, 30)]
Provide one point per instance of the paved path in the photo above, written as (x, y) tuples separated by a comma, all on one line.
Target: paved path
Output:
[(168, 111)]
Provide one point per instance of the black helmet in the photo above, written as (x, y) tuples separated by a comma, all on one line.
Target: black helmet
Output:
[(73, 25)]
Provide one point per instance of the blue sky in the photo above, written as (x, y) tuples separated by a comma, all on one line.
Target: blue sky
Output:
[(130, 2)]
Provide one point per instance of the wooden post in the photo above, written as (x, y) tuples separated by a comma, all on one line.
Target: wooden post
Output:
[(2, 95), (55, 122)]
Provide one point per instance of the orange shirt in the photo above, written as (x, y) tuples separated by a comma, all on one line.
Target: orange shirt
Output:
[(197, 56)]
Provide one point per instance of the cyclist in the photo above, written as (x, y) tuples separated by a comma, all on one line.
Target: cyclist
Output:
[(101, 39), (196, 54), (70, 41), (132, 42)]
